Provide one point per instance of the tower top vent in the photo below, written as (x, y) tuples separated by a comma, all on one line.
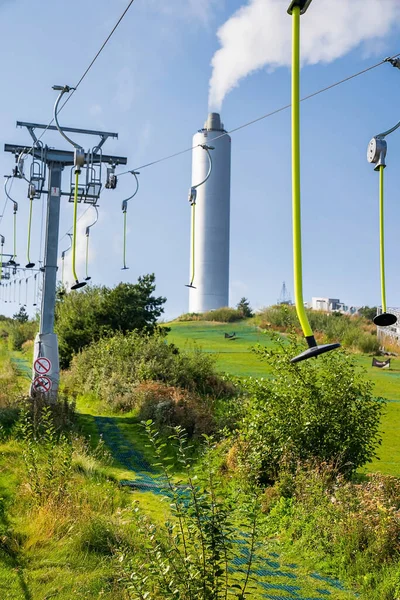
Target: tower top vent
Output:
[(213, 123)]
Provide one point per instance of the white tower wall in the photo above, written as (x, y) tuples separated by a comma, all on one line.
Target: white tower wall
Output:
[(211, 278)]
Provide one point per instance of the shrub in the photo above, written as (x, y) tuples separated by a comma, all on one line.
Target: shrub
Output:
[(110, 367), (223, 315), (47, 452), (99, 311), (369, 343), (319, 409), (190, 317), (169, 406), (19, 333), (350, 530), (10, 393), (355, 332), (97, 535)]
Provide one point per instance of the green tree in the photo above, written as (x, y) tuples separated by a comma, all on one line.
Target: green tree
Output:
[(244, 307), (322, 410), (98, 311), (368, 312), (21, 316)]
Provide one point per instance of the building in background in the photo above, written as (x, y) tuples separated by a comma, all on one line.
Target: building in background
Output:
[(212, 225), (331, 305)]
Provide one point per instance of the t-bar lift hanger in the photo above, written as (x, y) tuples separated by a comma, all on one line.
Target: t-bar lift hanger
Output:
[(79, 161), (87, 233), (192, 202), (12, 260), (376, 155), (124, 210), (297, 8)]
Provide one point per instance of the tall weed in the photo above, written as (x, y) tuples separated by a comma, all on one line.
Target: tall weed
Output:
[(189, 557), (354, 332), (350, 530)]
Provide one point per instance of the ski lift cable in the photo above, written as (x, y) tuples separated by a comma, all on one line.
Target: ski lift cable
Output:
[(270, 114), (253, 121)]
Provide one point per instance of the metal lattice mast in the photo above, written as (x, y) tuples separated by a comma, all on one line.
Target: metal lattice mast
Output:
[(53, 163)]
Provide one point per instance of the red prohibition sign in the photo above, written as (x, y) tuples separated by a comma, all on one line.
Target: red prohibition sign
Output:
[(42, 365), (42, 384)]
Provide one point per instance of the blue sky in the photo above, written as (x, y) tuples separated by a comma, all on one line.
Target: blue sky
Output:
[(151, 85)]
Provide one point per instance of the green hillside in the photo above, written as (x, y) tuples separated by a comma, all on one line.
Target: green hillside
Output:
[(235, 356)]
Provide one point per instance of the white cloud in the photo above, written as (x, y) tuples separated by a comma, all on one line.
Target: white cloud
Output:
[(259, 35)]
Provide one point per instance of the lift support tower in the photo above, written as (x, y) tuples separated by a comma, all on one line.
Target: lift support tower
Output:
[(46, 344)]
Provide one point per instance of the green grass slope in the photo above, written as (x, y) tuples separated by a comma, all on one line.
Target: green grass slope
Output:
[(236, 357), (233, 355)]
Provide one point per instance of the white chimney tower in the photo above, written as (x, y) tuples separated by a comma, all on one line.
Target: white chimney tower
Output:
[(211, 268)]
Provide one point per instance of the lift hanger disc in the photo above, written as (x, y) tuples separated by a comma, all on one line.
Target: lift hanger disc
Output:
[(385, 319), (314, 351), (78, 284)]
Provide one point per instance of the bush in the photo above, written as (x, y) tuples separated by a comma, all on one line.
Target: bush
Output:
[(169, 406), (319, 409), (190, 317), (19, 333), (369, 343), (220, 315), (110, 367), (350, 530), (27, 347), (223, 315), (98, 535), (99, 311), (354, 332), (47, 450)]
